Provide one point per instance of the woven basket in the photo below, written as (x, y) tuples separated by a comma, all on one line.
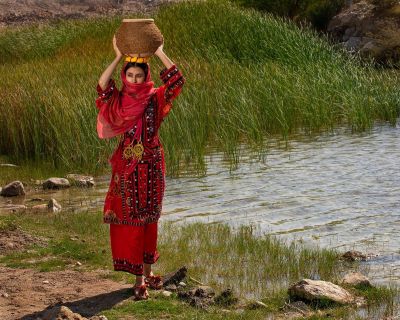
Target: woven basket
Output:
[(138, 37)]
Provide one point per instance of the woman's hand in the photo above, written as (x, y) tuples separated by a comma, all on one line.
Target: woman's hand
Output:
[(160, 49), (117, 52)]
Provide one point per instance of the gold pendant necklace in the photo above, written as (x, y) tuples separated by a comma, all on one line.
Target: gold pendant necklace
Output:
[(134, 151)]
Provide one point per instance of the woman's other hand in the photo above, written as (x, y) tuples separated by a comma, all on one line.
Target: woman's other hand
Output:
[(117, 52)]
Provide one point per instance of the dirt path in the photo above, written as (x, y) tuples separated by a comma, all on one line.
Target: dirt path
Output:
[(19, 12), (29, 294)]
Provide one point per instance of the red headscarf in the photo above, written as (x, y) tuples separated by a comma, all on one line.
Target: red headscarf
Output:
[(124, 110)]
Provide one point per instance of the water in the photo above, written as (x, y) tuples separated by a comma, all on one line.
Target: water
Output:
[(337, 191)]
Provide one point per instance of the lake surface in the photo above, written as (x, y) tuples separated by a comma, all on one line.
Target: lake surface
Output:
[(336, 191)]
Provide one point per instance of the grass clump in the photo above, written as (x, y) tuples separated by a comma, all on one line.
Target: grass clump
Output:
[(255, 267), (249, 76)]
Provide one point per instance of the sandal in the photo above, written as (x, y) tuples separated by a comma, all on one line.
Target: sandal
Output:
[(140, 292), (153, 282)]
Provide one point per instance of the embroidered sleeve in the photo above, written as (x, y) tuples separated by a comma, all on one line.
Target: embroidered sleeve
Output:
[(173, 81), (106, 94)]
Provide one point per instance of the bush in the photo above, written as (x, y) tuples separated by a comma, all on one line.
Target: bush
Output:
[(316, 12)]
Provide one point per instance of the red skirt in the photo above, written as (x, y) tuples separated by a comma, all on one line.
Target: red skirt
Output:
[(131, 246)]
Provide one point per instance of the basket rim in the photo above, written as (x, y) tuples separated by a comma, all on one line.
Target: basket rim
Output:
[(137, 20)]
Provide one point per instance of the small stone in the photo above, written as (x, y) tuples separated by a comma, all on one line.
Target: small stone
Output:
[(10, 245), (36, 199), (74, 238), (356, 279), (78, 263), (15, 207), (40, 208), (182, 284), (46, 281), (171, 287), (204, 291), (79, 180), (56, 183), (166, 293), (15, 188), (54, 206), (5, 294)]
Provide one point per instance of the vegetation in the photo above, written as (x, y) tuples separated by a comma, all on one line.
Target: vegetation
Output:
[(316, 12), (250, 77), (254, 266)]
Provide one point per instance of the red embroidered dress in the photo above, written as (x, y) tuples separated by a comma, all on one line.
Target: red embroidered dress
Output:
[(137, 188)]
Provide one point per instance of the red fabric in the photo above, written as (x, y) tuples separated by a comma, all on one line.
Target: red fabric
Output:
[(125, 109), (131, 246), (137, 187)]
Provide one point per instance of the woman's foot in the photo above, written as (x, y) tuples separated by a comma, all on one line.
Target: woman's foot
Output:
[(153, 281), (140, 292)]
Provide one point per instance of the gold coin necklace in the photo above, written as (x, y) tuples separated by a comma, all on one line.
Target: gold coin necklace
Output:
[(136, 150)]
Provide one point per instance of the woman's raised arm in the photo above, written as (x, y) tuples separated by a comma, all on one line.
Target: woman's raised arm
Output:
[(106, 75), (163, 57)]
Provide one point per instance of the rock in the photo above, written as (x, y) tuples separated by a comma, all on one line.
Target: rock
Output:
[(174, 277), (200, 297), (15, 188), (78, 263), (15, 207), (171, 287), (182, 284), (56, 183), (46, 281), (313, 290), (51, 206), (66, 314), (79, 180), (54, 206), (5, 295), (370, 28), (356, 279), (354, 256), (166, 293), (36, 199), (204, 292), (40, 208), (226, 298)]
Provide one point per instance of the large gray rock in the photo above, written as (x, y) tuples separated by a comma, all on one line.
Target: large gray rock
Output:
[(371, 28), (80, 180), (15, 188), (56, 183), (313, 290), (356, 279)]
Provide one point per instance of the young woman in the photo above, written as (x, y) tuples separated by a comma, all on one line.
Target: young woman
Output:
[(134, 200)]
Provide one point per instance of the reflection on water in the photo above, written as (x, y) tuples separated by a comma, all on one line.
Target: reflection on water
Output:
[(337, 191)]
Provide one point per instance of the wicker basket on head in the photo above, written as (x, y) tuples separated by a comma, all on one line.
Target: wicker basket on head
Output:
[(138, 37)]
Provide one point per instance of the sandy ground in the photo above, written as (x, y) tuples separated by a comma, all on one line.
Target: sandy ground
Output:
[(20, 12), (29, 294)]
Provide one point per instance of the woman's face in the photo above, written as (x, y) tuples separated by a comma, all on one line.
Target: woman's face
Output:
[(135, 75)]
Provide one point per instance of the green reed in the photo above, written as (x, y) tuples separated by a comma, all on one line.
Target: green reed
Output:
[(255, 266), (249, 77)]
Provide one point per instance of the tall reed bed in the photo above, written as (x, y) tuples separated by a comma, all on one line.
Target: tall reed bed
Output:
[(249, 76)]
